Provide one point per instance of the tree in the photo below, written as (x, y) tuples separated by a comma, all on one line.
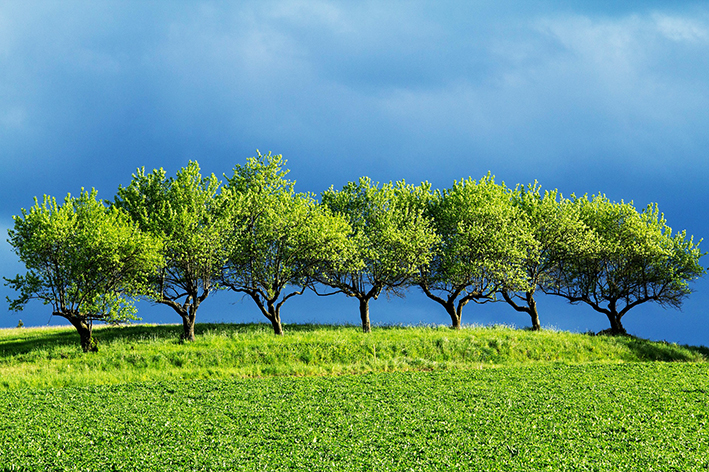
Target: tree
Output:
[(391, 240), (85, 260), (184, 213), (637, 259), (484, 241), (277, 237), (557, 230)]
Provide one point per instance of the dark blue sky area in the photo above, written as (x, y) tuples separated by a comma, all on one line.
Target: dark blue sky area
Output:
[(585, 97)]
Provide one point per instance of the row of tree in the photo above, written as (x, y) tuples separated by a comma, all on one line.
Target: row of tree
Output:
[(174, 240)]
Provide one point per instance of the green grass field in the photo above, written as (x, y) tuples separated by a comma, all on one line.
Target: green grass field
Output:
[(331, 398)]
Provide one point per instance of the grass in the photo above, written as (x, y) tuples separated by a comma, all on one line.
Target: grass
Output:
[(604, 417), (50, 357), (332, 398)]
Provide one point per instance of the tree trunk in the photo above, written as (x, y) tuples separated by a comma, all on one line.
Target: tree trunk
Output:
[(85, 330), (616, 325), (188, 327), (456, 313), (530, 308), (364, 314), (277, 326), (188, 313), (456, 316), (532, 304), (535, 321), (274, 316)]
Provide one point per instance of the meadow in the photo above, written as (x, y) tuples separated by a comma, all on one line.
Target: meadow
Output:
[(332, 398)]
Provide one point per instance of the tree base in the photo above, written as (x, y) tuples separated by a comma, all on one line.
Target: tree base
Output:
[(613, 332), (89, 345)]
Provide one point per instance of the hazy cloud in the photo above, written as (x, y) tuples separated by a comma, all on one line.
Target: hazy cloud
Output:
[(588, 95), (682, 29)]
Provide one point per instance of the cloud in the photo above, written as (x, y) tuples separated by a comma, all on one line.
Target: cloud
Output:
[(311, 14), (622, 71), (569, 87), (534, 84), (681, 29), (588, 95)]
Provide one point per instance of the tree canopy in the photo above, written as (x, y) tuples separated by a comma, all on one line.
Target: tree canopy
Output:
[(175, 240), (277, 238), (85, 260), (558, 232), (637, 259), (391, 240), (484, 241), (183, 212)]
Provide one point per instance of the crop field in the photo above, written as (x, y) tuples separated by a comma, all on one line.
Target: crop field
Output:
[(604, 415)]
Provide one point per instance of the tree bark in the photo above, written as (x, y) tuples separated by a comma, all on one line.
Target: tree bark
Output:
[(455, 315), (616, 325), (364, 314), (274, 316), (85, 330), (532, 304), (530, 308), (277, 326), (188, 327), (187, 311)]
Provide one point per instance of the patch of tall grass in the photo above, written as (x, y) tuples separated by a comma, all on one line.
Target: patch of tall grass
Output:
[(51, 357)]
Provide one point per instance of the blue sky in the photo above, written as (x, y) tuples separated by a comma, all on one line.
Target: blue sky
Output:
[(585, 97)]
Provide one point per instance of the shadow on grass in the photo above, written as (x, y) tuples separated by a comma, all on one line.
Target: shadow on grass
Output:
[(32, 340), (662, 351), (11, 346), (68, 338)]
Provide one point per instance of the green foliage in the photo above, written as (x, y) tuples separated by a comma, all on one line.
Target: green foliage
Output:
[(558, 233), (183, 212), (277, 238), (649, 417), (84, 260), (557, 228), (475, 241), (484, 242), (391, 240), (636, 259)]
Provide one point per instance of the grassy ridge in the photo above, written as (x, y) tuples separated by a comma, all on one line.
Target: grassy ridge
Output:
[(598, 417), (50, 357)]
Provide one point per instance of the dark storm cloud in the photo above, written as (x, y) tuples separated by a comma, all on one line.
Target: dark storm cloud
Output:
[(584, 96)]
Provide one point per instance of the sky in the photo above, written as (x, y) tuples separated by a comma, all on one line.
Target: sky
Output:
[(582, 96)]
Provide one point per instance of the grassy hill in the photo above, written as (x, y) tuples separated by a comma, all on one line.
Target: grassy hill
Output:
[(421, 398), (50, 357)]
